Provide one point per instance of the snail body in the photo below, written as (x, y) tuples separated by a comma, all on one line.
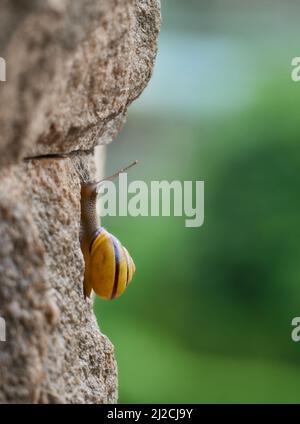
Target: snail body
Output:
[(109, 267)]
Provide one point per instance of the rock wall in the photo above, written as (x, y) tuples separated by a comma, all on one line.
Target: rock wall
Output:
[(73, 67)]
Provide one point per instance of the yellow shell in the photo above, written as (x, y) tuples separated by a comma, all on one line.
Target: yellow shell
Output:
[(110, 267)]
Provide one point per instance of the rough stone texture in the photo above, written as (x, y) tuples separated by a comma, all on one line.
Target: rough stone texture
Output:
[(73, 67)]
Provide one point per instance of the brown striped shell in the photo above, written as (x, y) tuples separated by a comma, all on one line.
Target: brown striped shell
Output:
[(110, 267)]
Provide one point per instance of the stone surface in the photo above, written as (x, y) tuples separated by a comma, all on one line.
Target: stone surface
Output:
[(73, 67)]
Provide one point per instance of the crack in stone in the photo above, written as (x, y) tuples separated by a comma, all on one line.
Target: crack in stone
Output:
[(61, 155)]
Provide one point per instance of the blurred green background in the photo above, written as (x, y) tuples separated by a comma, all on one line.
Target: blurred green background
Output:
[(208, 315)]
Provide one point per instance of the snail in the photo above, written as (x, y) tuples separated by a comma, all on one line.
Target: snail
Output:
[(109, 267)]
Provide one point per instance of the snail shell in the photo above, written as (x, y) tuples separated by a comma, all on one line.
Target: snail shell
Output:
[(110, 267)]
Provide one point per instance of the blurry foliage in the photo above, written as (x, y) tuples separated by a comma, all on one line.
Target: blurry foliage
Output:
[(207, 317)]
